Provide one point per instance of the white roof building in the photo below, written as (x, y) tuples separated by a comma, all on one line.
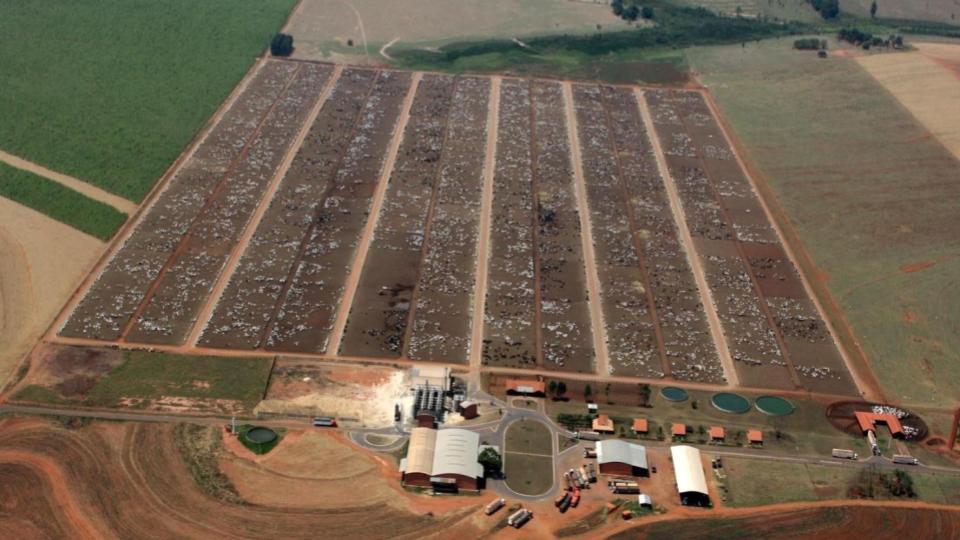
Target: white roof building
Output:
[(691, 482), (443, 452), (617, 451)]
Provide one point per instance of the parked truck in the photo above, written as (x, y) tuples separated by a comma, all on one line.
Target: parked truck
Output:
[(519, 518), (592, 471), (844, 454), (588, 435), (324, 421), (905, 460), (589, 453), (575, 499), (494, 506)]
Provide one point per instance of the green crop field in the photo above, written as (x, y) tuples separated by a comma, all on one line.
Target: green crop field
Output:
[(111, 91), (872, 195), (61, 203), (144, 378)]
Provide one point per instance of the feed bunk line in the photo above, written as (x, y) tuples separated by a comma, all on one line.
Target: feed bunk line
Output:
[(637, 241), (535, 233), (428, 225), (743, 254), (211, 199), (318, 212), (483, 246)]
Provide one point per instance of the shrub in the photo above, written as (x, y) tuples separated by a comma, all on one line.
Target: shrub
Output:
[(281, 45)]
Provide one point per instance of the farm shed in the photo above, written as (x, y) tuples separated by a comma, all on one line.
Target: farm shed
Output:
[(640, 426), (755, 436), (868, 422), (603, 424), (717, 433), (440, 459), (621, 458), (678, 430), (691, 482), (526, 388)]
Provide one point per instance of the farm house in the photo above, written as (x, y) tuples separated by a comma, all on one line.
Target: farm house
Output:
[(622, 458), (691, 482), (445, 460)]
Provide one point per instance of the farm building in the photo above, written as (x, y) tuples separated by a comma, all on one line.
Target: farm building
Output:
[(444, 460), (678, 430), (691, 482), (468, 409), (603, 424), (868, 422), (755, 437), (640, 426), (717, 433), (622, 458), (526, 388)]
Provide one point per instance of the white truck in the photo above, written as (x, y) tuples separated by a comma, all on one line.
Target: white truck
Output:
[(588, 435), (905, 460), (844, 454), (494, 506), (518, 518)]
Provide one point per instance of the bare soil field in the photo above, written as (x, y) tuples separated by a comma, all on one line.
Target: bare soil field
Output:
[(323, 29), (105, 480), (927, 83), (774, 331), (832, 523), (359, 395), (35, 280)]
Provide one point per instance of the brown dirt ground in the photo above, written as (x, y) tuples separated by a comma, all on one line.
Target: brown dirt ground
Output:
[(926, 82), (809, 522), (129, 480), (41, 263)]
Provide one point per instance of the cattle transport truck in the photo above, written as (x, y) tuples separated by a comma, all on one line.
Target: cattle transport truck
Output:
[(518, 518), (905, 460), (844, 454)]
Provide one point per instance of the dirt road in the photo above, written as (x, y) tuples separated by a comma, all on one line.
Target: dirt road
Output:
[(706, 297), (597, 323), (80, 186), (360, 256), (483, 243)]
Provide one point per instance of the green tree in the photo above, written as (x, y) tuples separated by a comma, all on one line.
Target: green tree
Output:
[(561, 388), (281, 45), (631, 13), (587, 392), (491, 461), (552, 388), (646, 12), (644, 391), (873, 9), (617, 7)]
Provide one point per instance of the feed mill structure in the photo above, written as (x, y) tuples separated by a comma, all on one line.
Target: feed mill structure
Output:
[(445, 460)]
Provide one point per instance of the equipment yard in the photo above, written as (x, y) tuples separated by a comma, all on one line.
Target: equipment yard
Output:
[(335, 213)]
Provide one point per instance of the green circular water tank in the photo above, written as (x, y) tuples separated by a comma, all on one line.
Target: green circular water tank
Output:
[(730, 402), (672, 393), (774, 406), (261, 435)]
